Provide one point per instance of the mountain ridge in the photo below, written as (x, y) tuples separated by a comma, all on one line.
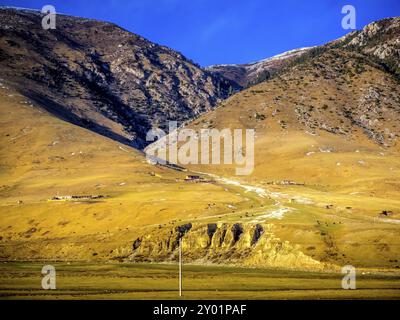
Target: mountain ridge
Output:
[(251, 73)]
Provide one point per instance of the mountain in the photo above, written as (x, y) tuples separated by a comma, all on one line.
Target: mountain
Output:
[(327, 150), (102, 77), (378, 40), (245, 75), (74, 101), (345, 86)]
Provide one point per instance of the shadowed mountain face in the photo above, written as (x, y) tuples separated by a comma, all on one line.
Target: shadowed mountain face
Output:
[(102, 77)]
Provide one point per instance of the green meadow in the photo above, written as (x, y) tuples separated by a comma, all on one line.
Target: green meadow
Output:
[(160, 281)]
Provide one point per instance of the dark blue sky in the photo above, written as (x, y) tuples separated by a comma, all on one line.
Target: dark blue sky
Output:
[(226, 31)]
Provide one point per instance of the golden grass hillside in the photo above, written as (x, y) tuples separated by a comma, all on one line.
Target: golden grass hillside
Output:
[(329, 127), (327, 153), (42, 157)]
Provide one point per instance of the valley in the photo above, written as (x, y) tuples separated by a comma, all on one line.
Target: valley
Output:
[(78, 192)]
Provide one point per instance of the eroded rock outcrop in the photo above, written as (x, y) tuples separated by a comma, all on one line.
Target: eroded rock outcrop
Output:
[(252, 245)]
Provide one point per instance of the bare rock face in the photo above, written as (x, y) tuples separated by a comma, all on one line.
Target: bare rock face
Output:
[(100, 76), (252, 245), (381, 40), (340, 92)]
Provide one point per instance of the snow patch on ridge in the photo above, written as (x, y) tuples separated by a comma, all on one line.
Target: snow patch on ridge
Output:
[(254, 64)]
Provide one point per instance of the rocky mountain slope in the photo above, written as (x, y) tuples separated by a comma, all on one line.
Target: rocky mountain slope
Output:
[(346, 86), (379, 40), (252, 73), (102, 77)]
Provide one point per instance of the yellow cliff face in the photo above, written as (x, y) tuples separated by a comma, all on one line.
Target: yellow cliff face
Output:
[(250, 245)]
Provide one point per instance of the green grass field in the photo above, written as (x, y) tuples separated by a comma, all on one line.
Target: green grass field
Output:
[(160, 281)]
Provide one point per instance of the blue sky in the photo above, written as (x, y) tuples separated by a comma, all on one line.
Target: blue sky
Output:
[(222, 31)]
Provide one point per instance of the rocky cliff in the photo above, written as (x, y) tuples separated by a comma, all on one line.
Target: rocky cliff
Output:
[(242, 244)]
